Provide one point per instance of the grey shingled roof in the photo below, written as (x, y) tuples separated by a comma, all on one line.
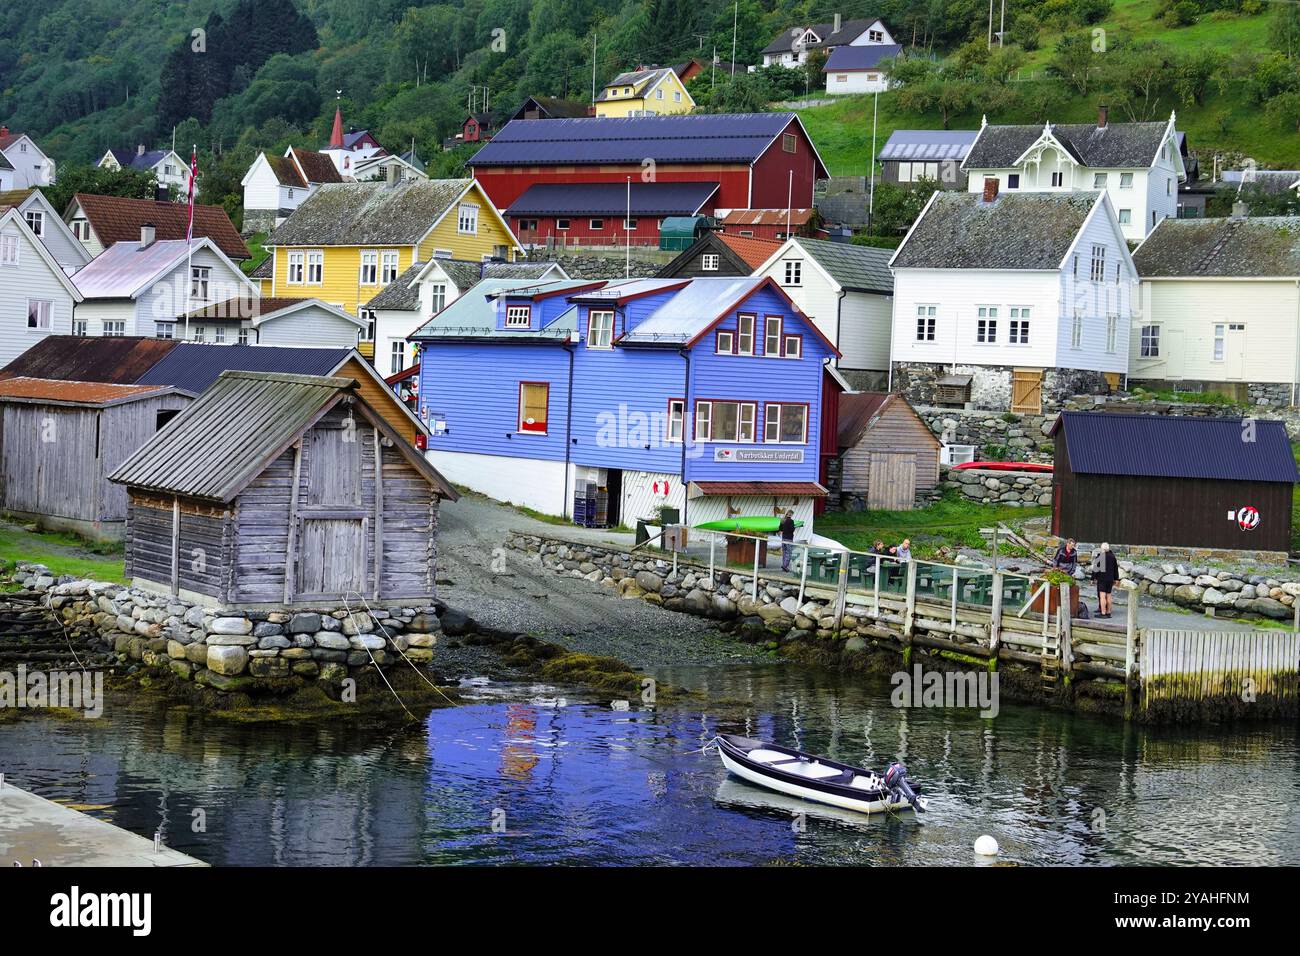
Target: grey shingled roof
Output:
[(1264, 246), (1114, 146), (382, 213), (265, 269), (400, 295), (234, 430), (849, 31), (856, 268), (1015, 231)]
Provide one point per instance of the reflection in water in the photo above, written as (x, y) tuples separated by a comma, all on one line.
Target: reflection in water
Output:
[(521, 774)]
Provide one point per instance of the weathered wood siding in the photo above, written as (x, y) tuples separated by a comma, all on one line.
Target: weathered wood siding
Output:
[(50, 460), (261, 534), (123, 431), (202, 560), (898, 430), (410, 530)]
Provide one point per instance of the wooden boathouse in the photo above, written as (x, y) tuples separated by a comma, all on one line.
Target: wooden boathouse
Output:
[(59, 440), (1173, 481), (275, 489)]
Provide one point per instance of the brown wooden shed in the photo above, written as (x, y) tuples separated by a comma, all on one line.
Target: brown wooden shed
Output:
[(275, 489), (1173, 481), (887, 452), (59, 440)]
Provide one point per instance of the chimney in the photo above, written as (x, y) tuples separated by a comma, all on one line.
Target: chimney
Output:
[(4, 131), (1240, 210), (1103, 115), (837, 24), (139, 149), (990, 189), (146, 235), (392, 174)]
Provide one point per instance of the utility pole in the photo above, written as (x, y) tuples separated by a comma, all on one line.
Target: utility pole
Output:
[(1002, 26), (871, 192), (990, 24), (627, 233), (593, 67), (735, 23)]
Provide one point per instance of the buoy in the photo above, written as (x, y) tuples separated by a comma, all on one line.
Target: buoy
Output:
[(986, 846)]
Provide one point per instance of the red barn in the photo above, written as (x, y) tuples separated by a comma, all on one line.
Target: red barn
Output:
[(756, 160)]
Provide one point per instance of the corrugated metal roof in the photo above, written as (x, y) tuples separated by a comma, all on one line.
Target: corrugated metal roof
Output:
[(612, 199), (856, 268), (848, 59), (123, 269), (927, 144), (857, 409), (763, 217), (121, 360), (1172, 446), (194, 366), (681, 138), (78, 393), (229, 435), (692, 310), (474, 314)]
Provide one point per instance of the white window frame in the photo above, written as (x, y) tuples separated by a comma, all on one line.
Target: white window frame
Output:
[(1018, 331), (113, 329), (43, 320), (710, 261), (1097, 263), (741, 333), (744, 422), (315, 267), (438, 296), (9, 251), (600, 335), (1149, 340), (769, 421), (769, 334), (219, 335), (731, 342), (200, 282), (1076, 331), (35, 221), (1125, 180), (793, 272), (368, 272), (397, 356), (986, 325), (1125, 216), (80, 328), (676, 425), (927, 323), (792, 353), (515, 312), (296, 273), (467, 219), (1112, 332), (245, 334), (389, 268)]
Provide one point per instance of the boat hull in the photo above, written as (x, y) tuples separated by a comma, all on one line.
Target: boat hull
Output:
[(868, 802)]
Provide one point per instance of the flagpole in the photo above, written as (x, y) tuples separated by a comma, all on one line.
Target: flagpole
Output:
[(189, 243), (627, 233)]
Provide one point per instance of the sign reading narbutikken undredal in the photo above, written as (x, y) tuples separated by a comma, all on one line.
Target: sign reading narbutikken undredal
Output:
[(759, 454)]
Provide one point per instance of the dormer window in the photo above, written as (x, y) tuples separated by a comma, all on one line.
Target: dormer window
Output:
[(600, 330), (518, 316)]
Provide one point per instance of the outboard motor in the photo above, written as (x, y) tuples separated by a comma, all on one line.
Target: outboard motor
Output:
[(897, 785)]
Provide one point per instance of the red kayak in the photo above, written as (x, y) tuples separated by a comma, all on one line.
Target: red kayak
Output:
[(1005, 466)]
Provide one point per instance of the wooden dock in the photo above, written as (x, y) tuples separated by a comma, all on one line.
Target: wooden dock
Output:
[(35, 830)]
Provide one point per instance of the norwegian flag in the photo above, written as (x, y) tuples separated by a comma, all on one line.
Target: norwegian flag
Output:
[(194, 171)]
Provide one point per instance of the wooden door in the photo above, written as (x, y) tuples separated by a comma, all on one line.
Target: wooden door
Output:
[(332, 556), (1027, 390), (891, 482)]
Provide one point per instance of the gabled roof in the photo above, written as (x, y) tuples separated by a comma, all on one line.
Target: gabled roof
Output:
[(465, 273), (260, 308), (221, 442), (358, 214), (115, 360), (194, 366), (4, 162), (554, 107), (264, 270), (927, 144), (9, 139), (859, 411), (286, 171), (679, 138), (14, 198), (315, 167), (402, 294), (853, 267), (1174, 446), (1225, 248), (641, 81), (849, 31), (68, 392), (739, 218), (134, 159), (116, 219), (850, 59), (752, 252), (1114, 146), (958, 230), (12, 215), (612, 199), (124, 270)]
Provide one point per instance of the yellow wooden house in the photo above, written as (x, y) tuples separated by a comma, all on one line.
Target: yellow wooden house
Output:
[(653, 92), (347, 241)]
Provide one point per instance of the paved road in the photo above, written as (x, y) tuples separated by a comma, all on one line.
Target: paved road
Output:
[(570, 611)]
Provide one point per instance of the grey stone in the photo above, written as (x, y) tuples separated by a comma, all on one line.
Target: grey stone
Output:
[(274, 641), (230, 625), (304, 624), (231, 640), (229, 660), (331, 641)]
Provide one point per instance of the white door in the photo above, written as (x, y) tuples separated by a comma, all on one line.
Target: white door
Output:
[(1175, 354), (1235, 357)]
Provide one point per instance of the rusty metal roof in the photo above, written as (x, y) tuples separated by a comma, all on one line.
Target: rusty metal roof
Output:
[(73, 393), (229, 436), (118, 360), (762, 488)]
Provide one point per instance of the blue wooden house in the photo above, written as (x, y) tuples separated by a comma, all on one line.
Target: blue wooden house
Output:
[(704, 395)]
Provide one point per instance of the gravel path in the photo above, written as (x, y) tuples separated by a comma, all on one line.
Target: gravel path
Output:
[(504, 590)]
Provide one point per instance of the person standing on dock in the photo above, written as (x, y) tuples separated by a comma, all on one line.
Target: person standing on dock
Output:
[(1067, 557), (1105, 571), (787, 539)]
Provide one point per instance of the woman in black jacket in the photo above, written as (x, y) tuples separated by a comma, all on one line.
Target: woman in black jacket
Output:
[(1105, 571)]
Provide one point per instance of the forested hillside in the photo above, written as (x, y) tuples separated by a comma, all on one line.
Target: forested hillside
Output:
[(237, 76)]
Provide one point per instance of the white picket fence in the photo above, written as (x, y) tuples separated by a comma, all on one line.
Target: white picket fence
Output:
[(1198, 665)]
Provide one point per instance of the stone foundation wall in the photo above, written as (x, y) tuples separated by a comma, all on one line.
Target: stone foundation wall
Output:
[(1023, 489), (1013, 437), (231, 649), (1275, 395), (991, 384), (258, 220)]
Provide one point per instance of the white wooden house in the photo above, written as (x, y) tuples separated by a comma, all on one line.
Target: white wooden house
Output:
[(791, 46), (168, 168), (275, 186), (36, 296), (847, 290), (1011, 302), (29, 166), (141, 288), (1138, 165), (262, 320), (1220, 308), (47, 226)]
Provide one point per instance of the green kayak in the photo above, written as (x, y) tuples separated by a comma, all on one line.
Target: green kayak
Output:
[(746, 524)]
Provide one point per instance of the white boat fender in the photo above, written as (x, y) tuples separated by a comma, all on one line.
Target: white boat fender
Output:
[(986, 846)]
